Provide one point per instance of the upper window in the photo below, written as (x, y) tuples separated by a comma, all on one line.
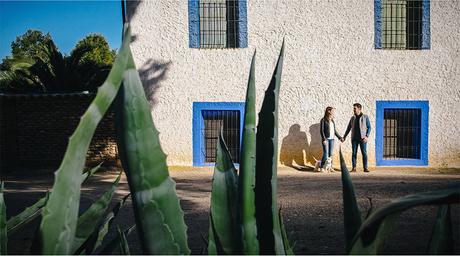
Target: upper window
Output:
[(216, 24), (402, 24)]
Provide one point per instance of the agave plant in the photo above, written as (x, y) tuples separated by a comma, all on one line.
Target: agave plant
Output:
[(244, 217), (368, 236)]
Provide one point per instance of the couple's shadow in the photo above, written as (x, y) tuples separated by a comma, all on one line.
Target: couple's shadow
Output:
[(298, 152)]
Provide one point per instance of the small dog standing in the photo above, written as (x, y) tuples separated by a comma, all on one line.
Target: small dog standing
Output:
[(327, 165)]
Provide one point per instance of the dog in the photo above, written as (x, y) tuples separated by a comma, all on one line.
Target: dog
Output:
[(327, 165)]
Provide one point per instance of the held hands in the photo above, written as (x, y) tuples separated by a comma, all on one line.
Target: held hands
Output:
[(324, 142), (342, 139), (364, 139)]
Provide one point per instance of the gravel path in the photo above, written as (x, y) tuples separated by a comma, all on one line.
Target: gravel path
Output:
[(311, 205)]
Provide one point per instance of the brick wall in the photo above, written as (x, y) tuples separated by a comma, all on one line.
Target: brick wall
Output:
[(34, 131)]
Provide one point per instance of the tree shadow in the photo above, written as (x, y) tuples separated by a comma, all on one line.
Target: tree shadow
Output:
[(151, 74), (295, 148)]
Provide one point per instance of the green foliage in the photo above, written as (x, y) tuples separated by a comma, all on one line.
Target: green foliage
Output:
[(159, 218), (58, 226), (224, 228), (351, 212), (250, 222), (247, 176), (29, 45), (29, 214), (442, 238), (91, 217), (3, 227), (123, 243), (38, 66), (369, 236), (268, 223)]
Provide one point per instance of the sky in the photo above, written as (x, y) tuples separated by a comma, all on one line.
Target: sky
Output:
[(66, 21)]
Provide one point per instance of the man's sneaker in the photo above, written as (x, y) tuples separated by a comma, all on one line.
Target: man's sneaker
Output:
[(353, 170), (366, 170)]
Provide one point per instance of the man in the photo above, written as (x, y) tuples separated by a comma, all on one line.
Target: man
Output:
[(360, 128)]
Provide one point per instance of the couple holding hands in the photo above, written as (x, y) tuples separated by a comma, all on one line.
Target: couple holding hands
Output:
[(360, 128)]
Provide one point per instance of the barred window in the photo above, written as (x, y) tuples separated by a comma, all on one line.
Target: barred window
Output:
[(218, 23), (402, 24), (229, 122), (402, 131)]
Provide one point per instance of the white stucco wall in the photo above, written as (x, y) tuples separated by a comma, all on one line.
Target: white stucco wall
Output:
[(329, 60)]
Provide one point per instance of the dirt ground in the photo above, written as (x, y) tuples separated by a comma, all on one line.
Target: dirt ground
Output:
[(311, 205)]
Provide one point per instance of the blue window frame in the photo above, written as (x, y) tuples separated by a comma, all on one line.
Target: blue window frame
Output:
[(217, 24), (201, 110), (402, 24), (409, 139)]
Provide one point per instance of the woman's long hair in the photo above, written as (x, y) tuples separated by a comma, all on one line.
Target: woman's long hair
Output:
[(328, 113)]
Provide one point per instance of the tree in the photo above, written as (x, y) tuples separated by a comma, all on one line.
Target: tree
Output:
[(37, 65)]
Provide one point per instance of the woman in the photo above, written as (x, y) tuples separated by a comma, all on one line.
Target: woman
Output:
[(328, 130)]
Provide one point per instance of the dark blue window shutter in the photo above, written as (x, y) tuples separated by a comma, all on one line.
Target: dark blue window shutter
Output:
[(194, 23), (378, 24), (242, 24), (426, 42)]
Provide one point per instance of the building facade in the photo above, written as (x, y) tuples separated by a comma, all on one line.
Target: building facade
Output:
[(398, 58)]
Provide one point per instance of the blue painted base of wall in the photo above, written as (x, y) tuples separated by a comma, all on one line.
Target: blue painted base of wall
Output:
[(198, 125), (381, 106)]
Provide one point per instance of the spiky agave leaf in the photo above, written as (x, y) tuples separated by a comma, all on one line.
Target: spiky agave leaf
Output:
[(122, 242), (268, 223), (159, 217), (97, 237), (30, 213), (225, 230), (247, 175), (351, 214), (370, 230), (88, 221), (441, 241), (60, 215), (3, 229)]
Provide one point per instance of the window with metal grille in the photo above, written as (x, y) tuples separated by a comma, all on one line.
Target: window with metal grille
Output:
[(401, 133), (229, 122), (218, 23), (402, 26)]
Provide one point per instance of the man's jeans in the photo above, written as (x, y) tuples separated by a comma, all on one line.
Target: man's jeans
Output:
[(354, 148), (328, 149)]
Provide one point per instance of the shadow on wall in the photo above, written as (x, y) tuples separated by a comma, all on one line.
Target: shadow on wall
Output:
[(152, 73), (297, 152)]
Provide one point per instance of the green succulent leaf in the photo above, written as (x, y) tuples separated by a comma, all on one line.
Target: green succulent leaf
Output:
[(3, 226), (26, 216), (60, 214), (441, 241), (268, 223), (370, 230), (351, 214), (159, 218), (90, 172), (375, 247), (114, 244), (247, 176), (287, 246), (89, 220), (225, 225), (123, 243), (16, 222), (97, 237)]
